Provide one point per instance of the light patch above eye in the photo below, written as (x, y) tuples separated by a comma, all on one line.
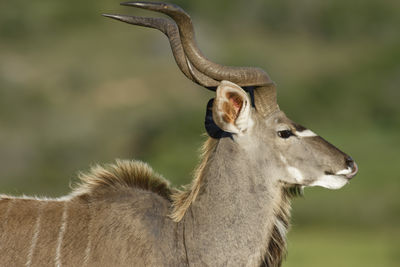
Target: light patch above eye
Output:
[(306, 133)]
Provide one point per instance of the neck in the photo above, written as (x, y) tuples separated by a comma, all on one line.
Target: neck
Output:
[(239, 217)]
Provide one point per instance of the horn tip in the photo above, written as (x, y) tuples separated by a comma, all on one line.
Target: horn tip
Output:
[(127, 19), (112, 16), (155, 6), (136, 3)]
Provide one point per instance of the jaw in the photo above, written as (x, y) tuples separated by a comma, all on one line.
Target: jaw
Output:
[(330, 181)]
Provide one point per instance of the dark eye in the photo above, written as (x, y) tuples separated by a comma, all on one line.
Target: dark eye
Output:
[(285, 134)]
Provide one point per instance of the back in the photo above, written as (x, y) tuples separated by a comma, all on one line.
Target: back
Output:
[(103, 222)]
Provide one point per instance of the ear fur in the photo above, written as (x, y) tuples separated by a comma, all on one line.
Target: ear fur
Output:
[(231, 109)]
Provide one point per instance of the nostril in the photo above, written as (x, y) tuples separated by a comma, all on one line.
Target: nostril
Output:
[(350, 162)]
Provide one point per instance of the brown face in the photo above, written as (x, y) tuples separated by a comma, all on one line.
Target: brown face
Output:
[(295, 155)]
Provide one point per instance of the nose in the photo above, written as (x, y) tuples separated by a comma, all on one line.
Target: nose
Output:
[(353, 166), (350, 162)]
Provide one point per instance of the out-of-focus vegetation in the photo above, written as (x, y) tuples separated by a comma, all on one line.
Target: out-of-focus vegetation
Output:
[(77, 89)]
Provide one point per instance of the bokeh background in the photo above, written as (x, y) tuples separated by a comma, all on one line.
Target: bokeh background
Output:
[(78, 89)]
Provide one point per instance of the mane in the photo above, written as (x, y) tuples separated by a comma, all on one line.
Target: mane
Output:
[(137, 174), (123, 174), (182, 199), (276, 250)]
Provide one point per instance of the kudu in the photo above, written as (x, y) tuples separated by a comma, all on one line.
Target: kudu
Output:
[(236, 210)]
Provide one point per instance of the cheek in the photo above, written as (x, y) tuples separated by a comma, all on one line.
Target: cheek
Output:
[(291, 172), (298, 155), (301, 164), (296, 174)]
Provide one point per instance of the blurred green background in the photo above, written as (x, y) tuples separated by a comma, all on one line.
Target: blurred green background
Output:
[(78, 89)]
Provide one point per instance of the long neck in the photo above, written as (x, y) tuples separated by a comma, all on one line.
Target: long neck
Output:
[(234, 217)]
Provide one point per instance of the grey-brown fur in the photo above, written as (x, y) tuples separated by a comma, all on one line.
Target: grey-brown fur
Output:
[(118, 216), (121, 215), (235, 212), (122, 211)]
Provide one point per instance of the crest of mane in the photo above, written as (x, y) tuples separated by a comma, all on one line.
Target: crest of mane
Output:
[(136, 174), (123, 174)]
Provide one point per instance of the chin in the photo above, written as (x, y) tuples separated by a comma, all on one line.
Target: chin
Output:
[(330, 181)]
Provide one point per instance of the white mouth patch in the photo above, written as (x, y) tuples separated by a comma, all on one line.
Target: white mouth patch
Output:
[(305, 133), (330, 181), (344, 172)]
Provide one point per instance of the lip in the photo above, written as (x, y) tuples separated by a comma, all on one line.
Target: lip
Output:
[(354, 171)]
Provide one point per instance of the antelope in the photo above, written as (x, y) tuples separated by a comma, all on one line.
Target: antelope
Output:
[(236, 210)]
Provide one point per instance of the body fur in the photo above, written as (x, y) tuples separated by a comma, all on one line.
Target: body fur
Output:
[(125, 213)]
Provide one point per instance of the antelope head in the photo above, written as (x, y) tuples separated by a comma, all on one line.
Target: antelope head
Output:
[(245, 109)]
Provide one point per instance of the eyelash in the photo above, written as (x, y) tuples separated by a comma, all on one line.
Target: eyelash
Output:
[(285, 134)]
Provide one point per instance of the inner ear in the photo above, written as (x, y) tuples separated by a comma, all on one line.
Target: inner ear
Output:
[(231, 109), (236, 100)]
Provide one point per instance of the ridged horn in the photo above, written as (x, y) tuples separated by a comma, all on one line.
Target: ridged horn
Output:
[(265, 100), (170, 29), (194, 64), (243, 76)]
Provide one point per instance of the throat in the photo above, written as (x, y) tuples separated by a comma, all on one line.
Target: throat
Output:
[(233, 212), (277, 247)]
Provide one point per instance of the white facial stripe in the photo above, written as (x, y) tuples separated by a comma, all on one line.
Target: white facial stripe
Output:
[(344, 172), (296, 174), (330, 181), (305, 133), (293, 172), (283, 159)]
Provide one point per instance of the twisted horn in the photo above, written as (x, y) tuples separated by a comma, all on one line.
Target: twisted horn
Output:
[(194, 64), (170, 29), (243, 76), (265, 100)]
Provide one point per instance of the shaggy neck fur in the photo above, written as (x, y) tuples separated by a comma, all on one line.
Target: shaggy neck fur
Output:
[(231, 214)]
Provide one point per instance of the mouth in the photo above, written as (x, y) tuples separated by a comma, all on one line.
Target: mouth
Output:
[(353, 172), (336, 180), (330, 181), (349, 173)]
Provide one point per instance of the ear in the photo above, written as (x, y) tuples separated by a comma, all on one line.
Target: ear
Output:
[(231, 109)]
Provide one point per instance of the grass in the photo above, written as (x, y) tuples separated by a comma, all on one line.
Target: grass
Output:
[(343, 246)]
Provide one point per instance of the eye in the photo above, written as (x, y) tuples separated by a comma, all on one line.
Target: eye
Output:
[(285, 134)]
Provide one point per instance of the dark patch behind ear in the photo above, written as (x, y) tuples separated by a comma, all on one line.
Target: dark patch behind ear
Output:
[(212, 129)]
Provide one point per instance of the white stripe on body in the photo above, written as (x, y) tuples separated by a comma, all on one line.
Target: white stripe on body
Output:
[(61, 234), (35, 236), (89, 236)]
